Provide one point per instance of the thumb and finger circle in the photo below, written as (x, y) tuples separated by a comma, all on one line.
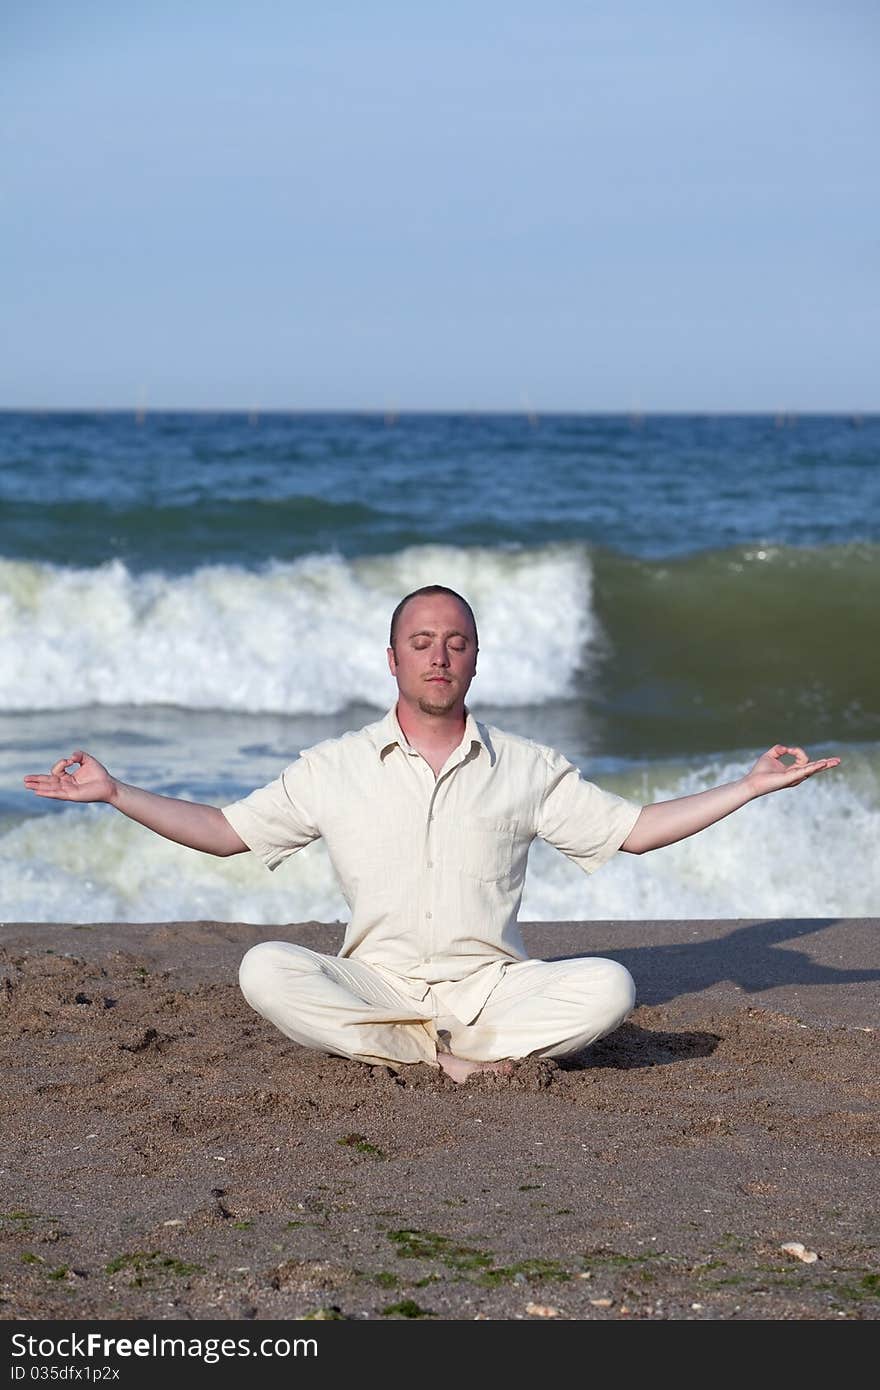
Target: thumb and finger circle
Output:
[(64, 763)]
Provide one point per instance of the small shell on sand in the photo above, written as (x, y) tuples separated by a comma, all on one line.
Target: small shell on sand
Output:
[(541, 1310), (799, 1252)]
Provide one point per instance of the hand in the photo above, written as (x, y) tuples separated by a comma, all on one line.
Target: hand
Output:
[(770, 774), (90, 781)]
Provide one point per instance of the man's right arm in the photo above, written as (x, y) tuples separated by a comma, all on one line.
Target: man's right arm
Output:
[(189, 823)]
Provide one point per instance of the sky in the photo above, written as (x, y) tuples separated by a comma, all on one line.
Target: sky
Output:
[(567, 206)]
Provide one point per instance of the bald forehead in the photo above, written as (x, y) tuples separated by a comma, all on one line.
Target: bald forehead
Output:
[(436, 613)]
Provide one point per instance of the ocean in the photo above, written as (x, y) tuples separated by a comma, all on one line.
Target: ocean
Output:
[(194, 598)]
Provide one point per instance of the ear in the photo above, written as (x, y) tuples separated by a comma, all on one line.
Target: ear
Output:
[(392, 663)]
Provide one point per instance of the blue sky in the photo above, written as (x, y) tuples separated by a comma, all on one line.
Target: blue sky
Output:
[(566, 206)]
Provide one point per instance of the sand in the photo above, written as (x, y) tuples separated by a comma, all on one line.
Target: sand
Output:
[(167, 1154)]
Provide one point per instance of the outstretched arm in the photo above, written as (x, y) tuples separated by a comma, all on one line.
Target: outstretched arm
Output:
[(664, 822), (82, 778)]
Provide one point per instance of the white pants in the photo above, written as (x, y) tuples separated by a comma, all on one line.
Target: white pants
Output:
[(538, 1008)]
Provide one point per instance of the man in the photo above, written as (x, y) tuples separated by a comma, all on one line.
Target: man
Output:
[(428, 816)]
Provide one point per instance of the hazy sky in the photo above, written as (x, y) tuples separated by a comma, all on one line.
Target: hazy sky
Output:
[(584, 206)]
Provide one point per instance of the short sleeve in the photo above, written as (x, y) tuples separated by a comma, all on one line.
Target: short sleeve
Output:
[(277, 820), (580, 819)]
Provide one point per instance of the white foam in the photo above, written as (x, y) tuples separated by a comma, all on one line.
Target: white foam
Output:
[(807, 852), (306, 636), (92, 865), (804, 852)]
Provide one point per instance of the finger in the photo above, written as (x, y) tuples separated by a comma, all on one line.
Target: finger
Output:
[(801, 773), (45, 785), (782, 750), (64, 763)]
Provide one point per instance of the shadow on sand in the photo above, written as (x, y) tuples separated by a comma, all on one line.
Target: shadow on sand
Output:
[(754, 957), (630, 1047)]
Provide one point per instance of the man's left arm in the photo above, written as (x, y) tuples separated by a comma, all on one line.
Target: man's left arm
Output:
[(665, 822)]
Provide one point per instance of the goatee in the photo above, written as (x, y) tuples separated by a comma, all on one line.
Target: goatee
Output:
[(431, 707)]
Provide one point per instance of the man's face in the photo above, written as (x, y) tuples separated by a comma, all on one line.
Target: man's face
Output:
[(435, 653)]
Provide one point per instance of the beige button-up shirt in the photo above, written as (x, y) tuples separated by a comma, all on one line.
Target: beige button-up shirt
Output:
[(433, 867)]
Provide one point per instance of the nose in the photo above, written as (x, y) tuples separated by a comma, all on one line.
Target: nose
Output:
[(440, 656)]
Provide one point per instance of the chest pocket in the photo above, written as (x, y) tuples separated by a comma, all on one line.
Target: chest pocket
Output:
[(486, 848)]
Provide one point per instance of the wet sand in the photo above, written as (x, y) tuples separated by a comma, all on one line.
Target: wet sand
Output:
[(167, 1154)]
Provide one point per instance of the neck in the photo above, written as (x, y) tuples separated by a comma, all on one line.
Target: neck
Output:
[(436, 729)]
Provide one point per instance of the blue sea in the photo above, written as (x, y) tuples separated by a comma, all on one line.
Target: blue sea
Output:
[(195, 597)]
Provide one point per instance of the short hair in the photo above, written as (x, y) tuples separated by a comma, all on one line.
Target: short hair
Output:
[(425, 590)]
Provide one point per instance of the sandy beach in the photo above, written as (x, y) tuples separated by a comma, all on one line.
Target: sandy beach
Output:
[(167, 1154)]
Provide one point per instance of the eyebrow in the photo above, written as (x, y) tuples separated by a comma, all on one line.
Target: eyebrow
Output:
[(429, 632)]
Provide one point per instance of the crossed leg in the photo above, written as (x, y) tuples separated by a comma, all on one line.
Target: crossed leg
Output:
[(539, 1008), (339, 1006)]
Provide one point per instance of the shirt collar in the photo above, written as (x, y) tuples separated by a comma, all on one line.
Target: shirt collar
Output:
[(388, 732)]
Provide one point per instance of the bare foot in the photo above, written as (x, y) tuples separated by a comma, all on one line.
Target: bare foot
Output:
[(459, 1068)]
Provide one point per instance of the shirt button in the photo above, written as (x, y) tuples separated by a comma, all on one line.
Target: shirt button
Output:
[(428, 914), (430, 863)]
